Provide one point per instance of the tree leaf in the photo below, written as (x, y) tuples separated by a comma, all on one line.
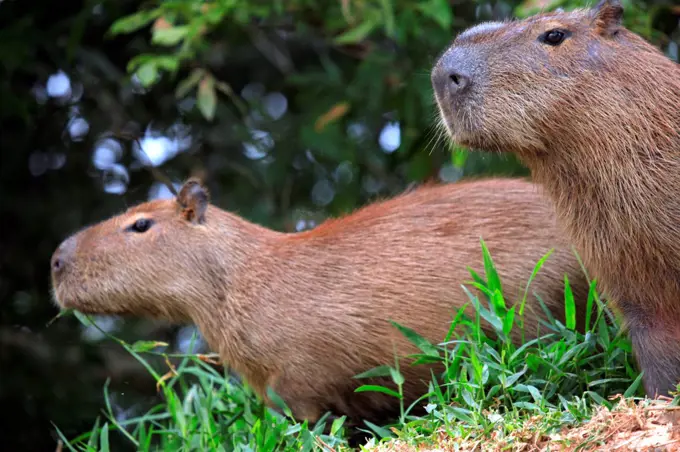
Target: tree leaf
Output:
[(356, 34), (147, 73), (336, 112), (188, 83), (388, 13), (207, 99), (169, 36), (133, 22), (439, 11)]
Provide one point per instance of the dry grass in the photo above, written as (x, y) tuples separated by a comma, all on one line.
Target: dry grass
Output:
[(630, 426)]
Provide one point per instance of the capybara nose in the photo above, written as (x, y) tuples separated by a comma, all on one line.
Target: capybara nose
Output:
[(63, 255), (448, 80)]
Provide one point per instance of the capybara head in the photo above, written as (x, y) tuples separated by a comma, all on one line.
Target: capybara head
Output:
[(131, 262), (560, 77)]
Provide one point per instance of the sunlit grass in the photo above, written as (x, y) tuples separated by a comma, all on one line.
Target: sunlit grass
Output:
[(490, 387)]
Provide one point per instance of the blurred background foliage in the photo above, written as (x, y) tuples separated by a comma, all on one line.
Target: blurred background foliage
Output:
[(292, 111)]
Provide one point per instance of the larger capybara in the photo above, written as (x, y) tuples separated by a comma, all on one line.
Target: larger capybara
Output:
[(304, 312), (594, 111)]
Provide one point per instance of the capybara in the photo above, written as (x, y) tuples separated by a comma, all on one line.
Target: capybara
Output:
[(594, 111), (303, 313)]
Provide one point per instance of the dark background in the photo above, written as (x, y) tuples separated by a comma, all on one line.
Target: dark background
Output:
[(309, 133)]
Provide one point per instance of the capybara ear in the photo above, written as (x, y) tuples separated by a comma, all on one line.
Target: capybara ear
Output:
[(607, 16), (193, 199)]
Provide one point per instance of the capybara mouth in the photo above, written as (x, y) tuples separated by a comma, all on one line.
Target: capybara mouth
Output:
[(61, 299), (460, 124), (66, 302), (464, 136), (464, 130), (65, 298)]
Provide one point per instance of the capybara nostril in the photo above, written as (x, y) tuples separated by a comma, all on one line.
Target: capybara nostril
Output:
[(57, 264), (63, 255), (458, 81)]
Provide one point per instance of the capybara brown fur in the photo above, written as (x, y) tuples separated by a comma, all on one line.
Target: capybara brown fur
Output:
[(304, 312), (594, 111)]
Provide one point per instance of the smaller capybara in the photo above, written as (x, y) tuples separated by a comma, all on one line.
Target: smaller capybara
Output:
[(594, 111), (304, 312)]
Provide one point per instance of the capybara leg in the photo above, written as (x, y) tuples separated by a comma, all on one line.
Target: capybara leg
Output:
[(300, 398), (657, 349)]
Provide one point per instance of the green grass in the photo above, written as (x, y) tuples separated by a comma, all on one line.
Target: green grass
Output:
[(490, 386)]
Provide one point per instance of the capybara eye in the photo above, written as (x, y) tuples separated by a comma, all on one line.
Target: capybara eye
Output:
[(553, 37), (141, 225)]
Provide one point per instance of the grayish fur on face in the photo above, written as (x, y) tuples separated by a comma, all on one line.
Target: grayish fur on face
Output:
[(482, 28)]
